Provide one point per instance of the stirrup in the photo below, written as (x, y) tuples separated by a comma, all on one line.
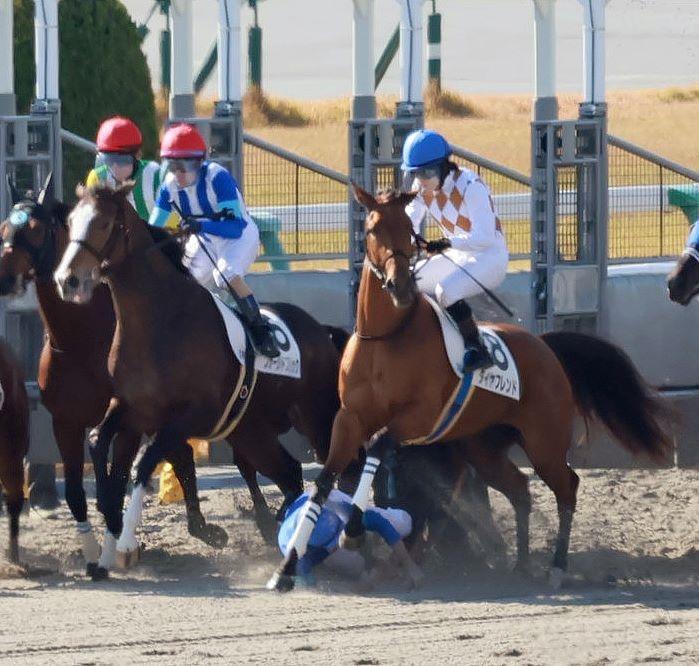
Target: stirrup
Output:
[(263, 341), (476, 357)]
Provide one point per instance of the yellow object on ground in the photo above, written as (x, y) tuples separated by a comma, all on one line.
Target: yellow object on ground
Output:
[(170, 490)]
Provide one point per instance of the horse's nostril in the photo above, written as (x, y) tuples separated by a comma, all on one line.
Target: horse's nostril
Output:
[(72, 282)]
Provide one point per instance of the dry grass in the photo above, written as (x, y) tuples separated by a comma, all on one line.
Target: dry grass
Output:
[(497, 126)]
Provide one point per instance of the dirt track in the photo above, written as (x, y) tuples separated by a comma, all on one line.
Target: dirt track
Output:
[(632, 597)]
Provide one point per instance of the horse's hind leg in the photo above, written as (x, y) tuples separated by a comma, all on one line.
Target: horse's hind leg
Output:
[(263, 516), (182, 460), (260, 449), (498, 471), (548, 456)]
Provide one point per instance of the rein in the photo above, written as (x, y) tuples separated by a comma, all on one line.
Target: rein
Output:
[(379, 272)]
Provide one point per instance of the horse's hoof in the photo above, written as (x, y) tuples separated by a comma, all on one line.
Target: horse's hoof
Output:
[(13, 554), (99, 573), (91, 569), (350, 542), (556, 578), (268, 529), (211, 535), (281, 582), (125, 559)]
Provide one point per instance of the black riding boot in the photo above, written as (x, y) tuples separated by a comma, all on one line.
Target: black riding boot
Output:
[(476, 355), (263, 339)]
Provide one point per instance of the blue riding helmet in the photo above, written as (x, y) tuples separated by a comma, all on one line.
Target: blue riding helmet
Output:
[(424, 148)]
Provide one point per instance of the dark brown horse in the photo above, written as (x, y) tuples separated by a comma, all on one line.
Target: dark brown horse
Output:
[(395, 380), (14, 441), (76, 386), (683, 282), (171, 362)]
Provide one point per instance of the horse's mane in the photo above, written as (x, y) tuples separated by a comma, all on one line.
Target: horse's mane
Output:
[(173, 250)]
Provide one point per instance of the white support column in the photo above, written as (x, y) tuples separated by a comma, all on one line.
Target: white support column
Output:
[(412, 50), (545, 102), (229, 51), (363, 99), (181, 59), (7, 73), (594, 37), (46, 48)]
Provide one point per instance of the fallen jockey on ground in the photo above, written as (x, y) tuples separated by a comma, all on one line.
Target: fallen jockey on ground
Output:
[(392, 525)]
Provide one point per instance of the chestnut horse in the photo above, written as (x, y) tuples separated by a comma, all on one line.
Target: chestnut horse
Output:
[(75, 383), (683, 282), (172, 366), (395, 380), (14, 441)]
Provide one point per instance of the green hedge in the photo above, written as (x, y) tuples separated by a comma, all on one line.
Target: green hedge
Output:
[(102, 72)]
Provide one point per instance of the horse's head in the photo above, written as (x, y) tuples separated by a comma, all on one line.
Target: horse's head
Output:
[(28, 238), (389, 242), (683, 282), (96, 225)]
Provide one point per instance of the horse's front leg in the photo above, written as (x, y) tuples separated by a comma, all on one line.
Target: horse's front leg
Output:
[(345, 441), (380, 444)]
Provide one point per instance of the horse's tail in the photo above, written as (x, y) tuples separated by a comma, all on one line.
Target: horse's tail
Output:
[(606, 383), (339, 337)]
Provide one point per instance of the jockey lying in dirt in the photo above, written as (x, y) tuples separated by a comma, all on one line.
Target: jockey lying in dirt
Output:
[(392, 525)]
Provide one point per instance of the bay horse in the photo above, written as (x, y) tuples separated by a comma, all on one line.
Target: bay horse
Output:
[(683, 282), (171, 363), (395, 380), (75, 383), (14, 441)]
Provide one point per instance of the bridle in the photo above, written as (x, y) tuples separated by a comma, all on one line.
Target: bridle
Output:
[(42, 257), (379, 270), (102, 255)]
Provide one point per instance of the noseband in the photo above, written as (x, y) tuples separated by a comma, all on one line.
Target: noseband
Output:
[(102, 255)]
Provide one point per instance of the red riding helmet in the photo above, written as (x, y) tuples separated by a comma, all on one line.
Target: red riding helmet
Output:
[(119, 135), (183, 141)]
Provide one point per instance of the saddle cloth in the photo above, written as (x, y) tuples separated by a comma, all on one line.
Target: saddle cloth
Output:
[(287, 364), (502, 377)]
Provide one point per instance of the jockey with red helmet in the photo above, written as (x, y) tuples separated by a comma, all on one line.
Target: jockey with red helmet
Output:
[(460, 202), (118, 159), (199, 187)]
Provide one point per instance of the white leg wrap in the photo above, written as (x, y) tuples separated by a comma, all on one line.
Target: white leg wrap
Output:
[(304, 528), (132, 519), (361, 495), (108, 556), (88, 543)]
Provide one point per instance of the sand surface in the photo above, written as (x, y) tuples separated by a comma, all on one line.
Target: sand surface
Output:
[(632, 595)]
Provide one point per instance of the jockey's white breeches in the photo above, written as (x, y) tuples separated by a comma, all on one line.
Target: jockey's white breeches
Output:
[(233, 256), (447, 283)]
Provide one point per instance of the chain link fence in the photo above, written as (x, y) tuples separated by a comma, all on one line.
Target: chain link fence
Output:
[(651, 202)]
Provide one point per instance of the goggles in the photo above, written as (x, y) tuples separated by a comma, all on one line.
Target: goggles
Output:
[(191, 165), (111, 160), (427, 172)]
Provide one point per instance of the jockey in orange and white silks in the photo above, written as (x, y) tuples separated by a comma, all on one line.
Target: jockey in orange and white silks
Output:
[(461, 204)]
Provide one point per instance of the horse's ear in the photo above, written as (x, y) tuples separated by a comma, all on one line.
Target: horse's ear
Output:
[(363, 197), (47, 195), (406, 197), (14, 192)]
